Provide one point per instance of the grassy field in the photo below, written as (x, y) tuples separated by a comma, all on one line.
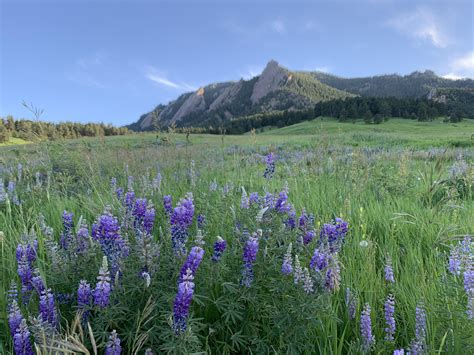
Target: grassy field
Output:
[(14, 141), (404, 188)]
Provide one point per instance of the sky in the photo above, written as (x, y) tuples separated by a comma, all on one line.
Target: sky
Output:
[(111, 60)]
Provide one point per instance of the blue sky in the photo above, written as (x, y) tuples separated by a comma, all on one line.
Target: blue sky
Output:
[(110, 61)]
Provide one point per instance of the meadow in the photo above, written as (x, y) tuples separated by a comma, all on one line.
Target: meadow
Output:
[(318, 238)]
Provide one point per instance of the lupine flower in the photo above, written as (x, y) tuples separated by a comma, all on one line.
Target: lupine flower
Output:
[(469, 288), (368, 340), (106, 231), (269, 200), (334, 234), (351, 304), (399, 352), (25, 255), (119, 193), (333, 277), (201, 221), (113, 345), (102, 288), (149, 252), (244, 201), (282, 205), (14, 317), (287, 266), (219, 248), (389, 272), (213, 186), (37, 282), (298, 273), (68, 225), (389, 307), (249, 257), (290, 222), (192, 262), (307, 281), (182, 302), (84, 294), (47, 308), (270, 166), (319, 260), (12, 294), (181, 219), (418, 344), (253, 198), (129, 199), (168, 205), (21, 340)]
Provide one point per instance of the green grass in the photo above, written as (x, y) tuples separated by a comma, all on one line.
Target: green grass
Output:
[(14, 141), (386, 181)]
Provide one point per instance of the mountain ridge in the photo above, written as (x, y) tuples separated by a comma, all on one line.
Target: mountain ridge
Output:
[(278, 88)]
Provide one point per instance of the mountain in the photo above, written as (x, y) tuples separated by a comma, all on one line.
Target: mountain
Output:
[(278, 89), (416, 84)]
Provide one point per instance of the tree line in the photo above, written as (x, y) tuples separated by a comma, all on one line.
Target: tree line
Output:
[(39, 130)]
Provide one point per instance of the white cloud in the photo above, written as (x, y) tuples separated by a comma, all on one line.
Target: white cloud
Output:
[(461, 67), (421, 24), (251, 72), (159, 78)]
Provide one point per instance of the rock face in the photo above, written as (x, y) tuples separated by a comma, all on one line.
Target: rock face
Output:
[(272, 77)]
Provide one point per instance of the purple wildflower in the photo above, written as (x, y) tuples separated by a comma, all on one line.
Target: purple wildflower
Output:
[(181, 219), (21, 340), (307, 281), (182, 302), (469, 288), (37, 282), (269, 200), (113, 345), (270, 165), (351, 303), (298, 271), (334, 234), (219, 248), (368, 340), (253, 198), (389, 307), (319, 260), (14, 317), (68, 225), (84, 294), (287, 266), (102, 288), (129, 200), (333, 277), (47, 308), (388, 270), (106, 231), (249, 257), (244, 201), (399, 352), (168, 205), (201, 221), (282, 205), (192, 262)]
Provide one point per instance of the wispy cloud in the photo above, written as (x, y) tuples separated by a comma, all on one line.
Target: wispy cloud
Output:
[(84, 70), (251, 72), (421, 24), (151, 73), (278, 26), (461, 67)]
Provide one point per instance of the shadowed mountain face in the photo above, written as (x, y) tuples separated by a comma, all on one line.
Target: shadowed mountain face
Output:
[(278, 88)]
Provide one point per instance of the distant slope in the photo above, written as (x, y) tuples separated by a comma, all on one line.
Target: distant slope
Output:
[(417, 84), (276, 88)]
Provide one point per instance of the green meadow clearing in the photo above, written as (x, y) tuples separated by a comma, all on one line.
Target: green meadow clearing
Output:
[(405, 189)]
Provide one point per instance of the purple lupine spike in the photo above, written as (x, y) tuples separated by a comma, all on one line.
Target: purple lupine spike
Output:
[(282, 205), (12, 294), (168, 205), (47, 308), (420, 324), (469, 288), (149, 218), (298, 271), (102, 288), (351, 304), (454, 262), (192, 262), (244, 200), (219, 248), (14, 317), (253, 198), (201, 221), (307, 281), (287, 266), (139, 208), (390, 328), (270, 165), (21, 340), (180, 220), (84, 294), (388, 270), (333, 277), (368, 339), (399, 352), (290, 222), (68, 225), (37, 282), (119, 193), (113, 345), (182, 302), (129, 200), (269, 200), (106, 231), (82, 238), (249, 257), (25, 273), (319, 260)]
